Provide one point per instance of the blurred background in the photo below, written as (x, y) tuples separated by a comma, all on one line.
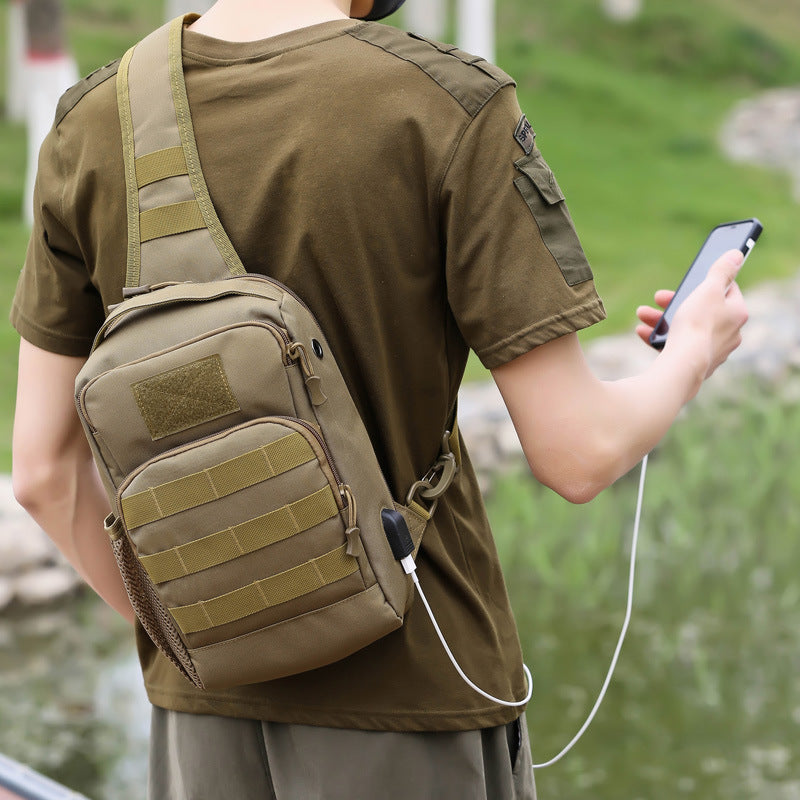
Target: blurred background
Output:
[(661, 120)]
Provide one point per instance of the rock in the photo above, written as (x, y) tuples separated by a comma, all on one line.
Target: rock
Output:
[(23, 545), (765, 130), (615, 357), (8, 503), (6, 592), (46, 585), (508, 444)]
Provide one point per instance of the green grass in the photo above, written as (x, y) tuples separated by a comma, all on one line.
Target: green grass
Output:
[(627, 115), (99, 32)]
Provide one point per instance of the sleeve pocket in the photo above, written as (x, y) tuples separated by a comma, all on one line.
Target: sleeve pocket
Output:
[(543, 195)]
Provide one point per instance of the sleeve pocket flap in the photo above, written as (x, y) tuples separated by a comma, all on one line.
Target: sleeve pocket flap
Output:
[(536, 168)]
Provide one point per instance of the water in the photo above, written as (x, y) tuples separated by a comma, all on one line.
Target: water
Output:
[(705, 702), (72, 703)]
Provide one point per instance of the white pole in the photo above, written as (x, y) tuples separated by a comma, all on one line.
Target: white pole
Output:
[(426, 17), (177, 8), (15, 55), (47, 80), (49, 72), (476, 27), (622, 10)]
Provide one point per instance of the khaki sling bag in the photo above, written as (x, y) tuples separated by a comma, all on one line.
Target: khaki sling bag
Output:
[(250, 513)]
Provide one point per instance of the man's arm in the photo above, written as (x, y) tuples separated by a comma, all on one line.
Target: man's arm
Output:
[(54, 475), (580, 434)]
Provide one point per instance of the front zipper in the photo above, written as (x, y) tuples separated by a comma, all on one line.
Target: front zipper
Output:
[(345, 492), (322, 443)]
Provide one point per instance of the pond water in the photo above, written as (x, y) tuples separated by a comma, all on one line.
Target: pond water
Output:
[(72, 703), (705, 702)]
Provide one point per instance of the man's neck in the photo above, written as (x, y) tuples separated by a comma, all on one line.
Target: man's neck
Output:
[(250, 20)]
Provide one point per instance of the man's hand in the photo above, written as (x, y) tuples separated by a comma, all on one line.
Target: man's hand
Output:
[(708, 323), (649, 316)]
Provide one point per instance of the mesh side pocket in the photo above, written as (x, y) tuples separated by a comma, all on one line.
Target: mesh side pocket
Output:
[(155, 618)]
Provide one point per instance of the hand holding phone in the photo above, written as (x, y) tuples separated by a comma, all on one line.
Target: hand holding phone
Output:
[(741, 235)]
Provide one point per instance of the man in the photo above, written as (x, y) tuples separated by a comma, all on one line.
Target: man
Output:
[(395, 186)]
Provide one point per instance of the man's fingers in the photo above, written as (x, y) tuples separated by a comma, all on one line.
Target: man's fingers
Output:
[(726, 268), (648, 315), (643, 332), (663, 296)]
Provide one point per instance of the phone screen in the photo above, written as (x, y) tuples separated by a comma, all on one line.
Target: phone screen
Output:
[(740, 235)]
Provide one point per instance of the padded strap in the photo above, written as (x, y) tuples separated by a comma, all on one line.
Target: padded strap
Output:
[(167, 196), (268, 592), (218, 481), (239, 540)]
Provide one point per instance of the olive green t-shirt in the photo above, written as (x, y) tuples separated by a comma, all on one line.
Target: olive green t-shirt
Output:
[(396, 187)]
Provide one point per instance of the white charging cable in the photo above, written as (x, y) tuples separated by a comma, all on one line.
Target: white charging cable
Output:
[(411, 569), (626, 622), (528, 678)]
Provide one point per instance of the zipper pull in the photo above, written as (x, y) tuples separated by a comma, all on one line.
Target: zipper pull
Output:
[(355, 547), (297, 352)]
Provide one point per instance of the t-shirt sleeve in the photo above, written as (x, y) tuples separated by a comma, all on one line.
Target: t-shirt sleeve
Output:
[(56, 307), (517, 275)]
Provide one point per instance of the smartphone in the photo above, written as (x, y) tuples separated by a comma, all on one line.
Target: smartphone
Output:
[(741, 235)]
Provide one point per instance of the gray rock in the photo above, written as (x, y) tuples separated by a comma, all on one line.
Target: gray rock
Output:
[(23, 545), (6, 592), (765, 130), (46, 585)]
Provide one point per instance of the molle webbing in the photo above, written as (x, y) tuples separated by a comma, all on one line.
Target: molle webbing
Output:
[(266, 593), (239, 540), (170, 220), (218, 481), (167, 196), (167, 163)]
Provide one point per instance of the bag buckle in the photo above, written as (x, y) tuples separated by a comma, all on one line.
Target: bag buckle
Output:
[(446, 468)]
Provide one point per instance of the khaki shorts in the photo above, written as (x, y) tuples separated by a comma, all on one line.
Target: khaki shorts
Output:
[(195, 757)]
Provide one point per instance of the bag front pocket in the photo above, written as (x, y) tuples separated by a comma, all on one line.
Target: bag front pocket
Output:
[(242, 529)]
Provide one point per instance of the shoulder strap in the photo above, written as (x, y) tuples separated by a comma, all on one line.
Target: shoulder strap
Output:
[(174, 232)]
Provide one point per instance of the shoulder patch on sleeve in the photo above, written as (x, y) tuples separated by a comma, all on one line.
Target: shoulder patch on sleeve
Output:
[(73, 96), (525, 135), (469, 79)]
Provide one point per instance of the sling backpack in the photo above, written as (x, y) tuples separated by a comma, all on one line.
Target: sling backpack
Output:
[(250, 513)]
